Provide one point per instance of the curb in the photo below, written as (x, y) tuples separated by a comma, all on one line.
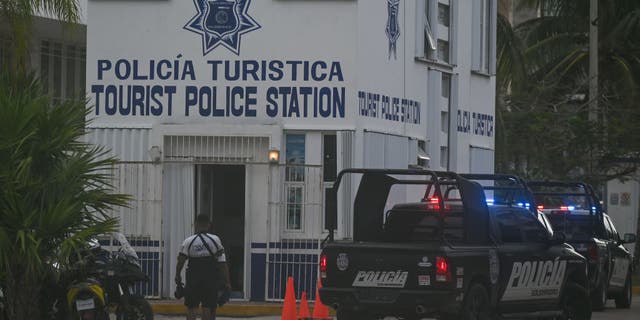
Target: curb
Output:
[(229, 309), (232, 309)]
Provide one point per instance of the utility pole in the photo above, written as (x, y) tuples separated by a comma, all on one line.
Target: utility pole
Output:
[(593, 60)]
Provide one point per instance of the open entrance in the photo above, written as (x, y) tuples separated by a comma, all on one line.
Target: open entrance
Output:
[(220, 193)]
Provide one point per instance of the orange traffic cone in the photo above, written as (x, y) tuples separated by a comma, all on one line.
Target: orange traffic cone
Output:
[(289, 307), (320, 311), (304, 313)]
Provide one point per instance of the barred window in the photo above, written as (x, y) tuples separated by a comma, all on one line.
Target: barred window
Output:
[(62, 70), (294, 179)]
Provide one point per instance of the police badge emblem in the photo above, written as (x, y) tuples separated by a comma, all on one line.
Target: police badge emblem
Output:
[(221, 23), (342, 262), (221, 17), (393, 26)]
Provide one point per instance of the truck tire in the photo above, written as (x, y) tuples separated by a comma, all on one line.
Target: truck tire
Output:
[(476, 304), (576, 304), (623, 300), (599, 297), (349, 314)]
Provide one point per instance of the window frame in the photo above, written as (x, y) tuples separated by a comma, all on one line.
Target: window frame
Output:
[(289, 205), (296, 183), (427, 37), (70, 59), (520, 217), (483, 36)]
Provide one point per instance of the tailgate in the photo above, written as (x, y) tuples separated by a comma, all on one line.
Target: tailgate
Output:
[(383, 265)]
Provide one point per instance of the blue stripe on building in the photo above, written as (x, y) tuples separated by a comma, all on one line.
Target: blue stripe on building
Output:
[(302, 267), (287, 245)]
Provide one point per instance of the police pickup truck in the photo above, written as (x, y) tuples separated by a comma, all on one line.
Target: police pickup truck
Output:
[(427, 244), (574, 209)]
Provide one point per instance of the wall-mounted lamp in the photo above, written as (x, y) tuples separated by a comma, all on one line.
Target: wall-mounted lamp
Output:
[(274, 156), (155, 154)]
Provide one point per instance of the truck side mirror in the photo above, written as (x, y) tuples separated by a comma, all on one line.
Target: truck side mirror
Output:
[(629, 238)]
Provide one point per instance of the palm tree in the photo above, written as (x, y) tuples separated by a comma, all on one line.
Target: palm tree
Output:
[(543, 83), (18, 15), (54, 190)]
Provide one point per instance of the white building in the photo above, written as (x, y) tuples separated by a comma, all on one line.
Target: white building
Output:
[(193, 95), (623, 205)]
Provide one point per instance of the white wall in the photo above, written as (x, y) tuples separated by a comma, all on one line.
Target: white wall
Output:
[(624, 214), (324, 32), (350, 34), (476, 93)]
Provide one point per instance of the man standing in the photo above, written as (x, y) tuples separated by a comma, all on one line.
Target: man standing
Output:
[(207, 268)]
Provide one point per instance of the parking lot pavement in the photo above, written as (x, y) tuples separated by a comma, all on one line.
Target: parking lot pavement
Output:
[(611, 313), (161, 317)]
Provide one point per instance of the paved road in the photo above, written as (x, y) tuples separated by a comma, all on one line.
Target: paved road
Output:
[(611, 313)]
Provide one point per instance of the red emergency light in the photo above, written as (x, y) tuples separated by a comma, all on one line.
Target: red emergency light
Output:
[(433, 203)]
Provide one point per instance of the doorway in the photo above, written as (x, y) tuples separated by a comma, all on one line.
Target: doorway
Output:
[(220, 193)]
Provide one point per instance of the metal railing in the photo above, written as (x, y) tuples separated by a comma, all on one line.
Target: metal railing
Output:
[(293, 247), (149, 254)]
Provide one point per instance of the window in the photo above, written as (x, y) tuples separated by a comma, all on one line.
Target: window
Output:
[(446, 85), (294, 207), (445, 111), (443, 50), (443, 14), (515, 226), (295, 146), (483, 35), (294, 180), (444, 157), (433, 33), (62, 70), (444, 121), (423, 157), (429, 37), (329, 167)]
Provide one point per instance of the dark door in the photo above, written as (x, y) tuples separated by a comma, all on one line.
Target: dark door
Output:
[(529, 270), (620, 260), (220, 192)]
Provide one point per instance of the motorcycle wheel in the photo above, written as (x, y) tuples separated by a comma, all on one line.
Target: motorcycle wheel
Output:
[(138, 309)]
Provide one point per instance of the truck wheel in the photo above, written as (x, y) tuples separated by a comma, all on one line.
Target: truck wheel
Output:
[(476, 304), (623, 300), (576, 304), (599, 297), (348, 314)]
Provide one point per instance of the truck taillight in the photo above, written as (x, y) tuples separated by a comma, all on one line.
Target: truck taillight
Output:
[(443, 274), (433, 203), (592, 251), (323, 266)]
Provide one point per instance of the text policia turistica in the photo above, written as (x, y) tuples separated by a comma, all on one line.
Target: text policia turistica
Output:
[(245, 88)]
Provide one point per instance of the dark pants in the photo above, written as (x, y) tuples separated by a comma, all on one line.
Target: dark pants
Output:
[(201, 288)]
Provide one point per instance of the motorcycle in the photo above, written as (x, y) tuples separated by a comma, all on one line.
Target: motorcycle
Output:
[(102, 283)]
